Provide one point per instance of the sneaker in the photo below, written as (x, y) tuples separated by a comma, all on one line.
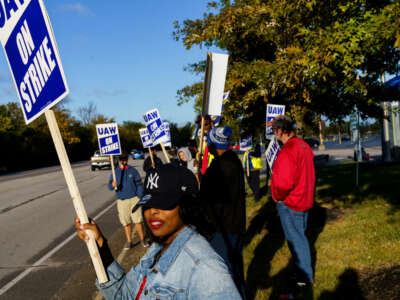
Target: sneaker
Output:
[(128, 245), (145, 243)]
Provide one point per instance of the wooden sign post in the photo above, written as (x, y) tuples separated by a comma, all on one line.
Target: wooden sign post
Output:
[(165, 153), (75, 195), (113, 170), (152, 158)]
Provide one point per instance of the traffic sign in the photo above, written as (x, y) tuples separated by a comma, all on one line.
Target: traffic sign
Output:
[(32, 55)]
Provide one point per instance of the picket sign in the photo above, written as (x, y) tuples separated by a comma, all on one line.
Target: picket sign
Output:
[(32, 55), (155, 129), (75, 194), (213, 91), (272, 152), (273, 110), (109, 143)]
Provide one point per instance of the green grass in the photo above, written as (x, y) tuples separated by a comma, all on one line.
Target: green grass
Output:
[(354, 234)]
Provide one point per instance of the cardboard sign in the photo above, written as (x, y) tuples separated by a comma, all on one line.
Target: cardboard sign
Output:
[(108, 137), (272, 152), (273, 111), (246, 144), (145, 137), (217, 65), (32, 55), (167, 143), (154, 126)]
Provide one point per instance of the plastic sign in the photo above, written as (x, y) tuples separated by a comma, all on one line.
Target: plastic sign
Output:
[(217, 66), (154, 126), (32, 55), (272, 152), (273, 111), (246, 144), (108, 137), (168, 133), (145, 137)]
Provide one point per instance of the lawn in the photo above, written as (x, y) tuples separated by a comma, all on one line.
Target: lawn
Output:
[(354, 235)]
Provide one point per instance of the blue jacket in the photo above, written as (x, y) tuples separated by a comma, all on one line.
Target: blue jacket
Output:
[(131, 184), (188, 269)]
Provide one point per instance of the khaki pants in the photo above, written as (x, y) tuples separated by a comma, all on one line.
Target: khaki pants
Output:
[(125, 214)]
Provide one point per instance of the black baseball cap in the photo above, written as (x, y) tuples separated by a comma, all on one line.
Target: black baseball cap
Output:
[(166, 185), (123, 156)]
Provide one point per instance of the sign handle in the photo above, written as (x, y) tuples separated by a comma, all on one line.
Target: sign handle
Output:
[(75, 195), (165, 153), (248, 164), (151, 157), (113, 170)]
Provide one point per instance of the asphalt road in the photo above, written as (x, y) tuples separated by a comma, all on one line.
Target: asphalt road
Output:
[(36, 215)]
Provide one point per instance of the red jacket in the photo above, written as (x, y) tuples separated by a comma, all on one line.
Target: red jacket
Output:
[(293, 176)]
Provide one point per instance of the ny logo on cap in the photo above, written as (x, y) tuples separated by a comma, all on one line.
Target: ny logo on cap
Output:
[(152, 181)]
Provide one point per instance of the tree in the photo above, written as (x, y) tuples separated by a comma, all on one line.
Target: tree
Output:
[(88, 113), (315, 56)]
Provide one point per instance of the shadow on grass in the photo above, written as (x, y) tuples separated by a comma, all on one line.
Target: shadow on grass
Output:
[(347, 288), (259, 268), (338, 183)]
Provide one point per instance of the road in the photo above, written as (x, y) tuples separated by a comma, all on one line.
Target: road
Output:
[(36, 213)]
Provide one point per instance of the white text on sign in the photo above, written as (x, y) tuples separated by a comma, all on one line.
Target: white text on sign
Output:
[(39, 71)]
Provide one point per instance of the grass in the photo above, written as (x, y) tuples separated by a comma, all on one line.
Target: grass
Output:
[(354, 235)]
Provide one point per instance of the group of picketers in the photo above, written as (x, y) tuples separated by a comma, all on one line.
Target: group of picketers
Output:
[(194, 212)]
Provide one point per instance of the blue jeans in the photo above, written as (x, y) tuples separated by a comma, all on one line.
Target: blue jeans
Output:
[(294, 224)]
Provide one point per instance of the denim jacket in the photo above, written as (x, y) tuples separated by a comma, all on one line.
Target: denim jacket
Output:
[(188, 269)]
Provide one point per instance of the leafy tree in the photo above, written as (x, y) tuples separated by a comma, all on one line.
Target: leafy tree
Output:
[(315, 56)]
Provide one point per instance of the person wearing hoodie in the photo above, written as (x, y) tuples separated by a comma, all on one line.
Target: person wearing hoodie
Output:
[(186, 160)]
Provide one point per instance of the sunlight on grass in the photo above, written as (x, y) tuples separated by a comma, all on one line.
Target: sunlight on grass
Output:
[(359, 236)]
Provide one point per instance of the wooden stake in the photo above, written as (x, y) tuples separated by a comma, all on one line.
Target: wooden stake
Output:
[(75, 195), (113, 170), (248, 164), (165, 153), (151, 157)]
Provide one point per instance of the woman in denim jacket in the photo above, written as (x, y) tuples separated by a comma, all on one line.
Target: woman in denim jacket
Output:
[(180, 264)]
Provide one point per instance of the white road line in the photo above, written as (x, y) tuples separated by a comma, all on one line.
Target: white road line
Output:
[(48, 255)]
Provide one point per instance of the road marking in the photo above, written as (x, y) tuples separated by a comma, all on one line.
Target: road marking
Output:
[(13, 282)]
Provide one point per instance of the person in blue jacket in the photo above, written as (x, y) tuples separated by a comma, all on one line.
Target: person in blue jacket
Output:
[(129, 189), (180, 264)]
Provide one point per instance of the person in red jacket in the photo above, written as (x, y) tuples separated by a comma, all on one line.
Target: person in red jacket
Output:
[(293, 181)]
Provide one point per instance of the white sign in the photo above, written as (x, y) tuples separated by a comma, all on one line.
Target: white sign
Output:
[(108, 137), (273, 111), (168, 133), (246, 144), (154, 126), (272, 152), (213, 103), (32, 55), (145, 137)]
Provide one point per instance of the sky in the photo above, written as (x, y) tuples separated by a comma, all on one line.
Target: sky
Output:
[(121, 56)]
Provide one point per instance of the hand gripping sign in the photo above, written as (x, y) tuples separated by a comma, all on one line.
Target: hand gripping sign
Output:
[(273, 111), (32, 55), (155, 128)]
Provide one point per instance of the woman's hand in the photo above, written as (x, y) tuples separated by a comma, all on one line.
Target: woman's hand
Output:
[(82, 234)]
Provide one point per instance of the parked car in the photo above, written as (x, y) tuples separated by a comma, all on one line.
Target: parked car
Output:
[(98, 161), (138, 155), (313, 143)]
